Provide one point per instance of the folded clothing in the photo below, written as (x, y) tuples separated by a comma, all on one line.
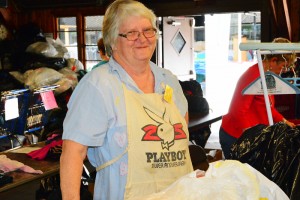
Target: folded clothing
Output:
[(8, 165)]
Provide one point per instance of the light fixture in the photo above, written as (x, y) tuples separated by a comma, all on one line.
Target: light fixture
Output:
[(174, 23)]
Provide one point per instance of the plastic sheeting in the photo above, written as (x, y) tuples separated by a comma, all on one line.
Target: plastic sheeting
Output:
[(274, 151), (224, 180)]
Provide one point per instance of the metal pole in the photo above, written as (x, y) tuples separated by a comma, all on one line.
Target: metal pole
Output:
[(264, 85), (270, 46)]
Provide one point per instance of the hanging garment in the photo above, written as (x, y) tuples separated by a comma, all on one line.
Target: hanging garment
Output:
[(274, 151), (197, 105)]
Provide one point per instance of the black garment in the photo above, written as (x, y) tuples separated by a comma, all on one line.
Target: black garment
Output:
[(200, 136), (194, 95), (4, 179), (198, 157), (198, 105), (50, 190), (274, 151)]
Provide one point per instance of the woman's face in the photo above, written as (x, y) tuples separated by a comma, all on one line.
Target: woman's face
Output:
[(140, 49), (277, 65)]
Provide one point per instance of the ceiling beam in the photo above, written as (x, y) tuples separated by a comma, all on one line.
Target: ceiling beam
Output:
[(287, 18)]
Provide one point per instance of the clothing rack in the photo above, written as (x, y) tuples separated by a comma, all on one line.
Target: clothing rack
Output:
[(45, 89), (269, 48), (13, 129), (14, 126), (36, 111), (33, 115), (12, 93)]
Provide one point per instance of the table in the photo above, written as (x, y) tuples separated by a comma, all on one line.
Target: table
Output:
[(49, 168), (197, 121)]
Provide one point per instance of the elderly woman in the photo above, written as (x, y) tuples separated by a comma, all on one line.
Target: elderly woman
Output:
[(129, 117)]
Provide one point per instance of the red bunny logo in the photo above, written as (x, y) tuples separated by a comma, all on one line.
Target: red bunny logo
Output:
[(164, 131)]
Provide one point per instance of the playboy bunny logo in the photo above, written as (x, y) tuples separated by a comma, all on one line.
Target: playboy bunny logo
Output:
[(164, 131)]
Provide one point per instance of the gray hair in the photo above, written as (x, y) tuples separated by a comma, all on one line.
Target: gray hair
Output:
[(116, 13), (289, 58)]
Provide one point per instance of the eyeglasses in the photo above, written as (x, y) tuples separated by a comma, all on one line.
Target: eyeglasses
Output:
[(134, 35)]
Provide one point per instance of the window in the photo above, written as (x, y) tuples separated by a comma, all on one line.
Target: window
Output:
[(67, 33), (223, 61), (92, 32), (71, 36)]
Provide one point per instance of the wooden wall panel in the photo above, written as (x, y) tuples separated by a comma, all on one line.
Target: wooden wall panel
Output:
[(279, 20), (194, 7), (45, 18), (295, 20), (270, 27)]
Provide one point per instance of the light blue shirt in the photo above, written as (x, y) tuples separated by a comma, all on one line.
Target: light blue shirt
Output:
[(99, 64), (96, 118)]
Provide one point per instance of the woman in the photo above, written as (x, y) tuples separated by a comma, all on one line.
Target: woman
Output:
[(102, 53), (128, 116), (246, 111)]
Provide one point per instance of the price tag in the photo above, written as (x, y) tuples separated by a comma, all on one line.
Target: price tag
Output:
[(11, 108), (49, 100)]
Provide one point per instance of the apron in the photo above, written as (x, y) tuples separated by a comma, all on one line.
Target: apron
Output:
[(158, 151)]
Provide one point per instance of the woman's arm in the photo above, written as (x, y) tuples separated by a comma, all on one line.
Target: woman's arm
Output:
[(71, 165), (277, 117)]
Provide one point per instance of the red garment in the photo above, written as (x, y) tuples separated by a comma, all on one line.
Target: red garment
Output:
[(41, 154), (246, 111)]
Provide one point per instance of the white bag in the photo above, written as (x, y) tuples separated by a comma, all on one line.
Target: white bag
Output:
[(224, 180)]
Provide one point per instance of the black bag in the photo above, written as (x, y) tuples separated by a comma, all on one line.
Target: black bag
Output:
[(50, 190), (5, 179), (194, 95), (8, 82), (274, 151), (200, 136), (198, 105)]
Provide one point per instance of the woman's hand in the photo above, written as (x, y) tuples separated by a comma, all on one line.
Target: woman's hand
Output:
[(290, 124)]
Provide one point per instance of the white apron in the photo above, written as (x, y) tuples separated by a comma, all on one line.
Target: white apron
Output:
[(158, 151)]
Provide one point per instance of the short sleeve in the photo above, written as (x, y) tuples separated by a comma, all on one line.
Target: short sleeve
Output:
[(86, 119)]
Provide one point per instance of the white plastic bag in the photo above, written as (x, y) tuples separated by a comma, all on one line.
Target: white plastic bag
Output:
[(224, 180), (42, 48), (41, 77)]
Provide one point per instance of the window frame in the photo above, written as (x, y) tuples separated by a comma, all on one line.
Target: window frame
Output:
[(80, 24)]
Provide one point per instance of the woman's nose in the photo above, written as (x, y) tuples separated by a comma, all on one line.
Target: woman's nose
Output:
[(141, 36)]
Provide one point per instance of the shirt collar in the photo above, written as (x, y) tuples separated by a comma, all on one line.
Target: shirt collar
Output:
[(159, 75)]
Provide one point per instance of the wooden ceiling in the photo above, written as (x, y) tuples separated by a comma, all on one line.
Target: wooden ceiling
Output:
[(279, 17), (286, 18), (25, 5), (166, 5)]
